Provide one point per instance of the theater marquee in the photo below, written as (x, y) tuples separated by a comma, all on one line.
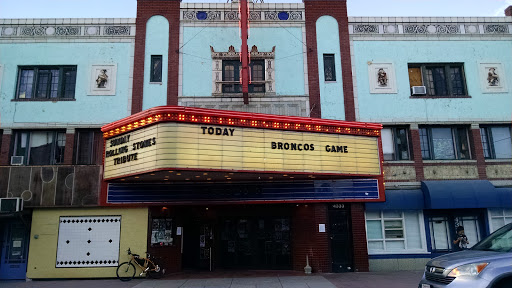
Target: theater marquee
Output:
[(210, 145)]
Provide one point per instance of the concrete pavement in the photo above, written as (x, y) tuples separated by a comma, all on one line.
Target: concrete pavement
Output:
[(402, 279)]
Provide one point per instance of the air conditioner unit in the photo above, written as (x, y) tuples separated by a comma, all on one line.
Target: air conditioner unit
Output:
[(9, 205), (419, 90), (16, 160)]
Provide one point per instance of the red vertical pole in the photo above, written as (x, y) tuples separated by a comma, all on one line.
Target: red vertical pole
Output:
[(244, 27)]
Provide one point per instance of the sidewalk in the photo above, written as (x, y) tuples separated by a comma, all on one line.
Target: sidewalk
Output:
[(402, 279)]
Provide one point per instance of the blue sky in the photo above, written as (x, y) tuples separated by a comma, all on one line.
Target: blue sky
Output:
[(127, 8)]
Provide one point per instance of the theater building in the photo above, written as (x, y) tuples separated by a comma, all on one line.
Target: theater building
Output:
[(222, 141)]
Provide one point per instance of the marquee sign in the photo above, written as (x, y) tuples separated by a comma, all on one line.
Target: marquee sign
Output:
[(226, 146)]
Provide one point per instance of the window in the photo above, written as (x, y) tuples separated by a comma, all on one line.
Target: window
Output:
[(231, 74), (441, 236), (40, 147), (88, 147), (439, 79), (499, 218), (156, 69), (46, 82), (496, 142), (394, 231), (329, 68), (444, 143), (395, 144)]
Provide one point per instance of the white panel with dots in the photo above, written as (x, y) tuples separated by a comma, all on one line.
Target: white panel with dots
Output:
[(91, 241)]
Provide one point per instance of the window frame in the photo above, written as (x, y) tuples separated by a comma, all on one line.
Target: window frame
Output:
[(331, 59), (237, 70), (152, 69), (61, 84), (488, 144), (406, 250), (394, 136), (456, 142), (28, 145), (95, 146), (502, 216), (447, 79)]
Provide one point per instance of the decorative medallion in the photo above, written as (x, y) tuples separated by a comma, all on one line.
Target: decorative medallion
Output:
[(8, 31), (201, 15), (283, 15), (471, 29), (391, 29), (231, 15), (67, 31)]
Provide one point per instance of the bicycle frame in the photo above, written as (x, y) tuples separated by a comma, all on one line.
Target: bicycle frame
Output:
[(146, 267)]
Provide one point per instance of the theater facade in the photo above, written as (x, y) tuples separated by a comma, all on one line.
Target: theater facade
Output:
[(228, 189)]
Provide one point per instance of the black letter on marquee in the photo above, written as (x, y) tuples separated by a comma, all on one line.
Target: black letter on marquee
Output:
[(274, 145), (204, 129)]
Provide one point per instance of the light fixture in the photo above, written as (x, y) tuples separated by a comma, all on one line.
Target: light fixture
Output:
[(136, 177), (123, 179), (205, 174), (171, 171), (228, 178), (167, 176), (285, 175), (270, 177), (197, 176), (209, 179), (152, 174), (178, 174)]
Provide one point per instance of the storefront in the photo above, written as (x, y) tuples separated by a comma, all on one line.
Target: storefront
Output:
[(234, 190)]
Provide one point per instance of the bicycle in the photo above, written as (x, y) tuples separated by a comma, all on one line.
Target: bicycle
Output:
[(126, 270)]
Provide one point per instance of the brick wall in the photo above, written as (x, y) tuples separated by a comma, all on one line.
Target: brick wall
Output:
[(338, 10), (508, 11), (359, 237), (170, 9), (308, 241), (4, 149), (416, 154), (68, 150), (477, 152)]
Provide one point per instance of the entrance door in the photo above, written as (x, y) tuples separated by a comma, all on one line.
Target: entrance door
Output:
[(13, 257), (255, 243), (341, 238)]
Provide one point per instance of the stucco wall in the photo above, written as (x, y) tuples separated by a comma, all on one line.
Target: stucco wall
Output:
[(43, 250), (157, 43), (401, 108), (197, 67), (86, 109), (331, 92)]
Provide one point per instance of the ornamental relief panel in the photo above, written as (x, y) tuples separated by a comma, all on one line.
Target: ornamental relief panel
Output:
[(64, 31), (450, 172)]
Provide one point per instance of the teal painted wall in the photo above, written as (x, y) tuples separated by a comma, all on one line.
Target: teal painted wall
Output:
[(157, 43), (400, 107), (331, 93), (289, 56), (86, 109)]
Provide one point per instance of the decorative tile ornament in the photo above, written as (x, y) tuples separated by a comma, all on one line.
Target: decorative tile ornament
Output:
[(366, 29), (432, 29), (492, 78), (116, 30), (90, 241), (103, 80), (382, 78), (495, 29)]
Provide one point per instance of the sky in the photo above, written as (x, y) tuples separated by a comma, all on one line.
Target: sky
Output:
[(127, 8)]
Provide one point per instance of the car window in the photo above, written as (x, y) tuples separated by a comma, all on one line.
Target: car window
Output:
[(499, 241)]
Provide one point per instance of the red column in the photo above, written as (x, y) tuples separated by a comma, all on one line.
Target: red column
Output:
[(477, 150), (68, 150), (416, 153), (170, 9), (4, 150), (359, 237), (338, 10)]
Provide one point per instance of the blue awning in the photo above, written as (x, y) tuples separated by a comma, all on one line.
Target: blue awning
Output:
[(399, 200), (505, 196), (458, 194)]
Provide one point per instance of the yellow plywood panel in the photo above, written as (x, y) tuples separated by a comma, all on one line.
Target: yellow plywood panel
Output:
[(43, 248)]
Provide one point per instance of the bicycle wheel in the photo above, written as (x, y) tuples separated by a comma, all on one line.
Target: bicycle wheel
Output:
[(125, 271), (155, 271)]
